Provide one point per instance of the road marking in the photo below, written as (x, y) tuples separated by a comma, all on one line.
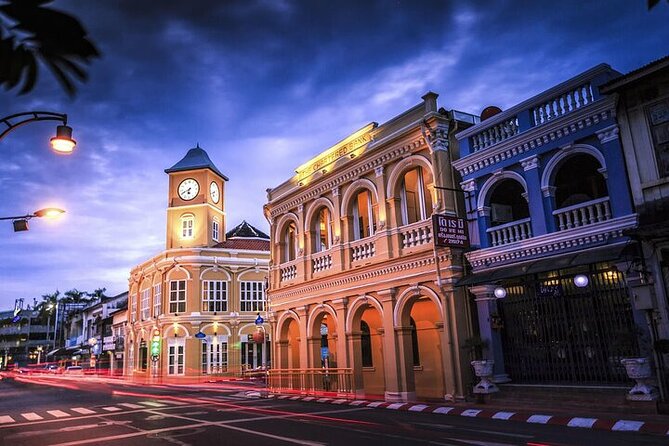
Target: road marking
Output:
[(342, 401), (418, 408), (4, 419), (395, 406), (480, 443), (503, 415), (443, 410), (627, 425), (470, 413), (375, 404), (324, 400), (539, 419), (31, 416), (112, 409), (82, 410), (581, 422), (358, 402), (176, 403), (131, 406), (152, 404), (58, 413)]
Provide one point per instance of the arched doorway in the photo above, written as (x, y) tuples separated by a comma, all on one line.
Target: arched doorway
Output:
[(323, 339), (421, 344), (365, 345), (289, 344)]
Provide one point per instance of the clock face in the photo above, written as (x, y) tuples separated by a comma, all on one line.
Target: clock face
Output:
[(214, 192), (188, 189)]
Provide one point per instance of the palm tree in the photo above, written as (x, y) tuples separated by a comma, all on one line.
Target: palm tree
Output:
[(75, 296), (31, 33), (98, 294)]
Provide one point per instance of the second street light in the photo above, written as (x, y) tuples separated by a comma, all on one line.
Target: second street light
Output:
[(62, 143), (20, 222)]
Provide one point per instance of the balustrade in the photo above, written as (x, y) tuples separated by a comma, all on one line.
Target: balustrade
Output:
[(495, 134), (416, 234), (583, 214), (562, 104), (363, 249), (288, 272), (321, 262), (510, 232)]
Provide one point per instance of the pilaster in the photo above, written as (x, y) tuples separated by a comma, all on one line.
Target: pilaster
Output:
[(486, 306)]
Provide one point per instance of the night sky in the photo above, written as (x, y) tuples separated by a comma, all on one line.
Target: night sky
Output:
[(263, 86)]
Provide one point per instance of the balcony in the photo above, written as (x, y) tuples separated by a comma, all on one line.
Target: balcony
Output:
[(362, 249), (288, 271), (416, 234), (510, 232), (321, 261), (583, 214)]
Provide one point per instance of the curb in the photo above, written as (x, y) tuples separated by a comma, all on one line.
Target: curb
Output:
[(614, 425)]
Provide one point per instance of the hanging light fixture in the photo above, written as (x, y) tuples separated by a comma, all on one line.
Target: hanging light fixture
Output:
[(581, 280), (500, 292), (63, 143)]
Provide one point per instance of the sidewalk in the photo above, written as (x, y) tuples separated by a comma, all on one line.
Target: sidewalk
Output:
[(539, 412)]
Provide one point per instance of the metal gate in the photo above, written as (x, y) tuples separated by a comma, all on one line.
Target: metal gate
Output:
[(555, 332)]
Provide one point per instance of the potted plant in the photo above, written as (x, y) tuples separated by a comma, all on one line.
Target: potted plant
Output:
[(483, 368), (627, 343)]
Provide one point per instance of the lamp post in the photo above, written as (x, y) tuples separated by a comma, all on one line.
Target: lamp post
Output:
[(20, 222), (62, 143)]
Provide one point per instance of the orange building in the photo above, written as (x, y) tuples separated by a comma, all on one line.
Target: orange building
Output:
[(354, 284), (192, 308)]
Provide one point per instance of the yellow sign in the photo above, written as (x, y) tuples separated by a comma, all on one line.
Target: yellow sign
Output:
[(340, 150)]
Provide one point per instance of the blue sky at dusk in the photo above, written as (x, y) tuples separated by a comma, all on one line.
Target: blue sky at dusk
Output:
[(262, 86)]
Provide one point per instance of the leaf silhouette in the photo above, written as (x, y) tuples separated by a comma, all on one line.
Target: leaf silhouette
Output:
[(31, 32)]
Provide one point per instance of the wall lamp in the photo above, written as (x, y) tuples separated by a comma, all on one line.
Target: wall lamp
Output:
[(500, 292), (581, 280), (20, 222)]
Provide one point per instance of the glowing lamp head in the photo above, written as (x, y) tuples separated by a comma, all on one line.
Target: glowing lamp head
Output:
[(500, 292), (49, 212), (581, 280), (63, 143)]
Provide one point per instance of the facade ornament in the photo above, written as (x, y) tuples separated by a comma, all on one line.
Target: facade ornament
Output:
[(300, 208), (608, 134), (484, 211), (468, 186), (436, 138), (548, 191), (335, 191), (530, 163), (378, 171)]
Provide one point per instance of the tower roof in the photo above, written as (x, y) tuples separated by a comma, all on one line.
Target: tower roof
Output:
[(245, 230), (196, 158)]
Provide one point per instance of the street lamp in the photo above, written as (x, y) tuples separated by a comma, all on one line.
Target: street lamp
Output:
[(20, 222), (62, 143)]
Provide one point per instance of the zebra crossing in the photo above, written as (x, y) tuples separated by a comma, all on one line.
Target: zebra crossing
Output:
[(63, 413)]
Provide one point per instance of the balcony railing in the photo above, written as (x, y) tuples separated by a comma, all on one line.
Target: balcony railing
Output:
[(495, 134), (583, 214), (416, 234), (362, 249), (321, 261), (562, 104), (320, 382), (510, 232), (288, 271)]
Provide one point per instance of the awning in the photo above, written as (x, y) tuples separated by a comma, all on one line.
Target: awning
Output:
[(56, 351), (567, 260)]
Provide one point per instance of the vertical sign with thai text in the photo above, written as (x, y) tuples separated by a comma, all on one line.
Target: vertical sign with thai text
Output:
[(450, 231)]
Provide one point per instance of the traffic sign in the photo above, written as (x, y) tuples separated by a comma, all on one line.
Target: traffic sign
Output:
[(200, 335), (325, 352), (259, 320)]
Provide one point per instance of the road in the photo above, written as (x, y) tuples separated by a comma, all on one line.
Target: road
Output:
[(56, 411)]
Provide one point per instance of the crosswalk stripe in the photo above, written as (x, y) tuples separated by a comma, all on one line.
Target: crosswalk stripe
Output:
[(131, 406), (176, 403), (31, 416), (4, 419), (58, 413), (111, 409), (152, 403), (82, 410)]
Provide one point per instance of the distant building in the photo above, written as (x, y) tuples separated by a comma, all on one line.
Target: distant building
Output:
[(643, 116), (201, 296), (23, 342), (550, 207), (354, 285)]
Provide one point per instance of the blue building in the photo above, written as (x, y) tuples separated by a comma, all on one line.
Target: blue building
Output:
[(549, 203)]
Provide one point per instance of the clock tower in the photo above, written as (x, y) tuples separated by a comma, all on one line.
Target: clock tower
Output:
[(195, 208)]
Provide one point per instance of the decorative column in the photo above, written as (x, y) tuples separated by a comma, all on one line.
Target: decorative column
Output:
[(535, 200), (382, 242), (304, 350), (435, 134), (489, 320), (619, 193), (342, 355), (301, 245), (337, 250), (397, 386)]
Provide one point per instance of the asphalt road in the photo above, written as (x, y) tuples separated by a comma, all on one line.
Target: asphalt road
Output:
[(85, 411)]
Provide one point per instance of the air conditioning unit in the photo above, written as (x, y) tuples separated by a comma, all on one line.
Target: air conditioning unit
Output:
[(501, 213)]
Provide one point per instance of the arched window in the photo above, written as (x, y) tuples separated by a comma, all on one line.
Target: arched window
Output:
[(364, 222), (366, 345), (578, 180), (415, 198), (507, 203), (187, 224), (322, 228), (289, 242)]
